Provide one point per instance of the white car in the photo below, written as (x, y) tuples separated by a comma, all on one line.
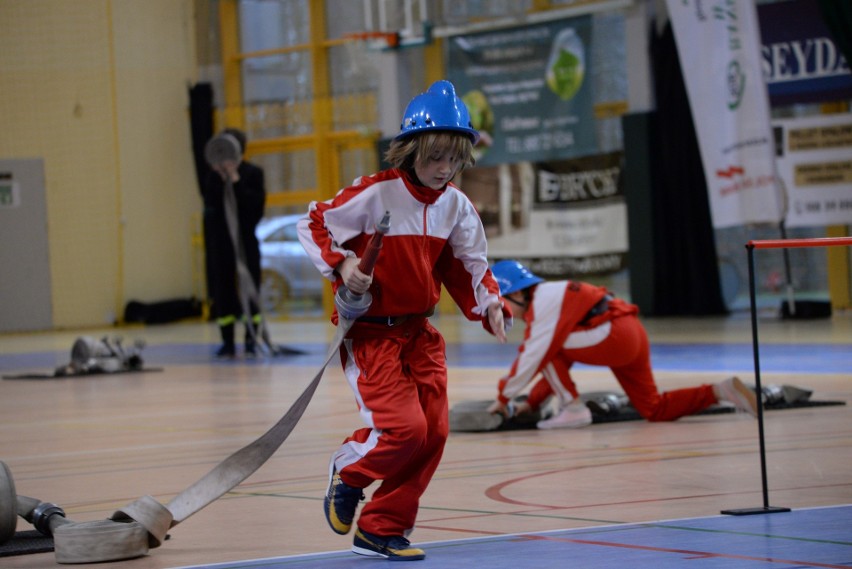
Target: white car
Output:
[(286, 272)]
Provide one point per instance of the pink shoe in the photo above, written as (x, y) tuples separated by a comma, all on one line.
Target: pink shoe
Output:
[(571, 416), (735, 391)]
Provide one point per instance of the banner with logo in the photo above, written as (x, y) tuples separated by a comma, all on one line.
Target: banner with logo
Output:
[(527, 89), (801, 61), (719, 49), (563, 218), (815, 166)]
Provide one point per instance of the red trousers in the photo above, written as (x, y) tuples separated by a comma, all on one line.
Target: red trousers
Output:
[(626, 352), (399, 377)]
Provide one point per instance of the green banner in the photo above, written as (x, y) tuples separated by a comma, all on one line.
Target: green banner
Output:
[(528, 90)]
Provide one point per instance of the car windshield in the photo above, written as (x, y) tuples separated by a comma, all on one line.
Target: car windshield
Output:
[(284, 230)]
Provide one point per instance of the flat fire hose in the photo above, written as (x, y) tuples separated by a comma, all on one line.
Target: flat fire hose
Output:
[(142, 525)]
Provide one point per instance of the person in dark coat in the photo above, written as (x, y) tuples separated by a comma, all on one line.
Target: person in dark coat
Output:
[(250, 193)]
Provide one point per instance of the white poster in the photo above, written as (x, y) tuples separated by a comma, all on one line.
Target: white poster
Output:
[(562, 218), (815, 166), (719, 48)]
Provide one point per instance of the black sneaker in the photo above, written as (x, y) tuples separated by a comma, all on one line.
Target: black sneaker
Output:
[(226, 351), (341, 501), (393, 548), (251, 349)]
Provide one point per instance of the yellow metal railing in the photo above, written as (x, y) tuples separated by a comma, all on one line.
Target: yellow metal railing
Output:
[(320, 128)]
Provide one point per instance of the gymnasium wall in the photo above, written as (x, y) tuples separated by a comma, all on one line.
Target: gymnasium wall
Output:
[(98, 90)]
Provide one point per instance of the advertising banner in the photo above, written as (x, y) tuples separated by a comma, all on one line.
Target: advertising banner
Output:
[(719, 50), (563, 218), (801, 61), (527, 90), (815, 166)]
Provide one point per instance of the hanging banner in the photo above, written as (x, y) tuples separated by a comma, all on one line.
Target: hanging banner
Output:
[(815, 166), (527, 89), (563, 218), (801, 61), (719, 49)]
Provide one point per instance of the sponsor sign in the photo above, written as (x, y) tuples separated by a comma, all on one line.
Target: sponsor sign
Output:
[(800, 59), (527, 90), (563, 218), (815, 166)]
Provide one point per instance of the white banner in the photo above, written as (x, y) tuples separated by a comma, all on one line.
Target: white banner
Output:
[(719, 48), (815, 167), (562, 218)]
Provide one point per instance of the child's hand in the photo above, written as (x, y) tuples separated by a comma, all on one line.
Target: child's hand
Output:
[(495, 320), (356, 281)]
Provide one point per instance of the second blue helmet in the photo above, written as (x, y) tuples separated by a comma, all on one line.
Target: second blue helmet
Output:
[(513, 276), (437, 109)]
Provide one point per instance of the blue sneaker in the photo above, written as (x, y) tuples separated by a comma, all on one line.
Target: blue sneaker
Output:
[(393, 548), (341, 501)]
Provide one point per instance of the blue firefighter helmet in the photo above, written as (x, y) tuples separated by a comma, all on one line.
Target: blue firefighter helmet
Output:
[(437, 109), (513, 276)]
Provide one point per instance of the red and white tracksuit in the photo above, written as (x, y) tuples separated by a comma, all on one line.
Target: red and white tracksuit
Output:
[(398, 373), (555, 339)]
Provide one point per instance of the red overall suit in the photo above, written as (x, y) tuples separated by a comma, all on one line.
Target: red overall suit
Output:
[(560, 333), (393, 358)]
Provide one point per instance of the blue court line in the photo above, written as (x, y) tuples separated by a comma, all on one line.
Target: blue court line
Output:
[(818, 537), (821, 358), (833, 358), (783, 358)]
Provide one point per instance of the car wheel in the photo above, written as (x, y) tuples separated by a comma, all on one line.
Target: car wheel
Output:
[(274, 291)]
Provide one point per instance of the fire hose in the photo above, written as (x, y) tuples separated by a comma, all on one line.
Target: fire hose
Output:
[(142, 525)]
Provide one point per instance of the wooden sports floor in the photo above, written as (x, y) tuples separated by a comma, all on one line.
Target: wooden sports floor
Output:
[(626, 494)]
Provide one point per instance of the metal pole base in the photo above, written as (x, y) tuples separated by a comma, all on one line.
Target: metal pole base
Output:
[(753, 511)]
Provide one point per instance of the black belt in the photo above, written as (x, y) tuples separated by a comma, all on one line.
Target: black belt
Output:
[(598, 309), (391, 321)]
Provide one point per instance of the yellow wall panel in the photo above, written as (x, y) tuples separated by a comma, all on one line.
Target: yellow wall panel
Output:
[(55, 100), (98, 89), (154, 45)]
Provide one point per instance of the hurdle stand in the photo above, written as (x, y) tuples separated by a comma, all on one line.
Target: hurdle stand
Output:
[(750, 247)]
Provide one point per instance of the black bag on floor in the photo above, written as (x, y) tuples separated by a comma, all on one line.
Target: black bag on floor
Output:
[(163, 311)]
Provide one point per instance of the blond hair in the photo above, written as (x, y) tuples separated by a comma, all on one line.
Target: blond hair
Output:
[(417, 148)]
